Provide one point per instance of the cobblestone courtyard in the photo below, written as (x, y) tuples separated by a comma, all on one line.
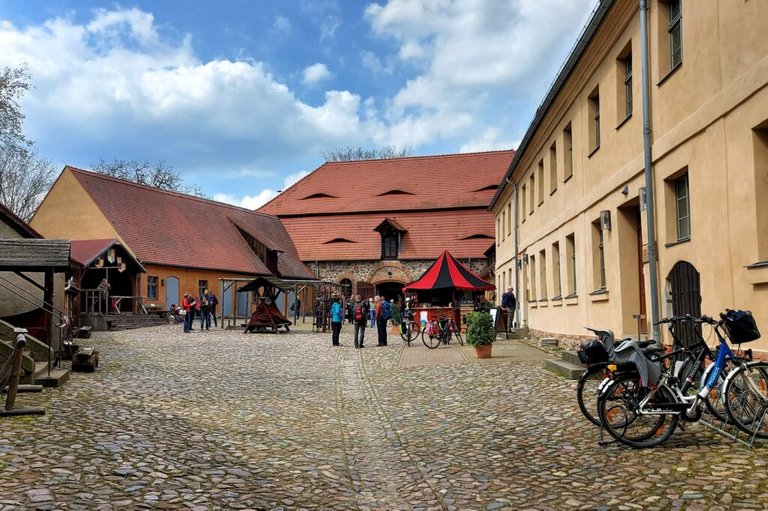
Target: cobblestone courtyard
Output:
[(230, 421)]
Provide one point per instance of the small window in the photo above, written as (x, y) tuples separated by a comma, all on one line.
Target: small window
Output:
[(760, 179), (543, 274), (594, 120), (532, 190), (598, 254), (570, 259), (553, 168), (202, 285), (532, 277), (502, 225), (675, 31), (682, 207), (624, 81), (498, 232), (541, 181), (556, 289), (567, 152), (152, 288), (523, 209), (390, 242), (509, 218)]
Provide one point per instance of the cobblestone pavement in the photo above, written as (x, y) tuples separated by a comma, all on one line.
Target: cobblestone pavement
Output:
[(231, 421)]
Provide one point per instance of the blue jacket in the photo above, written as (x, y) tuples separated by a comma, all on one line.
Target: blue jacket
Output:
[(336, 313)]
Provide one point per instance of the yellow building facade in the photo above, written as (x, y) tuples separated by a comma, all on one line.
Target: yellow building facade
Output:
[(571, 216)]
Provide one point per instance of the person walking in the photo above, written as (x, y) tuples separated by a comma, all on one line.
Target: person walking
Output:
[(372, 312), (212, 303), (205, 311), (381, 321), (509, 302), (360, 318), (188, 304), (336, 320), (296, 309)]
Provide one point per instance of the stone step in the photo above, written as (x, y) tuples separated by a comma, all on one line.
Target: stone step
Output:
[(547, 342), (57, 377), (571, 357), (565, 369), (519, 333)]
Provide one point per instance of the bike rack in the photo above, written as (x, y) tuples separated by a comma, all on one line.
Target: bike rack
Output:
[(731, 431)]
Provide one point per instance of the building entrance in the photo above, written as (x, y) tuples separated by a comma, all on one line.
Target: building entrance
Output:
[(390, 290), (684, 284)]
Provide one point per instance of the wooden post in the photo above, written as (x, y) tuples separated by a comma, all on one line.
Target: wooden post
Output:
[(13, 384)]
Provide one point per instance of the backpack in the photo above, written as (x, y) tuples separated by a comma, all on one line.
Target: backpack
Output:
[(386, 310), (358, 311)]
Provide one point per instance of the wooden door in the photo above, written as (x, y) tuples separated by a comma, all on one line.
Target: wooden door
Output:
[(685, 295)]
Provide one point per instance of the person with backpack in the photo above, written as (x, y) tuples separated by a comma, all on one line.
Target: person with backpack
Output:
[(360, 319), (336, 319), (381, 320)]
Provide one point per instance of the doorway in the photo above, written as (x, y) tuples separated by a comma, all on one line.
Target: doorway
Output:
[(630, 232), (390, 290), (684, 284), (171, 292)]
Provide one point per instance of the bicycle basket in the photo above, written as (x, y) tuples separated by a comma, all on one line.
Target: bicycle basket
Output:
[(740, 326), (592, 352)]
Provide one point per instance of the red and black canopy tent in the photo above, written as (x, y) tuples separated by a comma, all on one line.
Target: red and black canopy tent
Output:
[(448, 275)]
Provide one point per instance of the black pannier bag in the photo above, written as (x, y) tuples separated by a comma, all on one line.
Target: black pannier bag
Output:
[(592, 352), (740, 325)]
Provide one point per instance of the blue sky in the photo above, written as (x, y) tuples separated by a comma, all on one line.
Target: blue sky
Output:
[(242, 97)]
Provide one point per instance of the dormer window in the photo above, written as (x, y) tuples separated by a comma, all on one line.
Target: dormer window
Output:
[(391, 232), (390, 245)]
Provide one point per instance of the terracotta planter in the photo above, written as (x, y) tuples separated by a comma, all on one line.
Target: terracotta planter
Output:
[(483, 350)]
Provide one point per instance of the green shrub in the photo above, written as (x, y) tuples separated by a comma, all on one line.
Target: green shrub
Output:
[(395, 314), (480, 329)]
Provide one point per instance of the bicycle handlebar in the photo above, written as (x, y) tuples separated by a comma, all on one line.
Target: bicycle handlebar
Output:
[(687, 318)]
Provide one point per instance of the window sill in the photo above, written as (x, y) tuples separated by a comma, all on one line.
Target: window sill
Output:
[(572, 299), (557, 301), (543, 302), (600, 295), (678, 242), (593, 151), (757, 273), (552, 192), (669, 73), (622, 123), (534, 304), (540, 203), (567, 178)]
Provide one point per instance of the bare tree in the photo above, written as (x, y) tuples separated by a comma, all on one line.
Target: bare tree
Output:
[(157, 175), (25, 178), (359, 153)]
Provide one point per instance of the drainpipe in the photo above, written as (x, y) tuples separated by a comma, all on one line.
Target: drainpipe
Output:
[(517, 289), (649, 202)]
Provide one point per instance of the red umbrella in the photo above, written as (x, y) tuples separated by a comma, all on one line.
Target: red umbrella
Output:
[(447, 273)]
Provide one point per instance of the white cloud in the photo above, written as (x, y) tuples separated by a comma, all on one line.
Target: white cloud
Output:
[(315, 74), (488, 140), (249, 201), (282, 25)]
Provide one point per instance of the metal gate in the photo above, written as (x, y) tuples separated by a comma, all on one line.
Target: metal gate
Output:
[(685, 296)]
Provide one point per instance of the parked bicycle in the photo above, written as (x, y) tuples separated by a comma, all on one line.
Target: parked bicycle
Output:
[(441, 331), (409, 329), (642, 408)]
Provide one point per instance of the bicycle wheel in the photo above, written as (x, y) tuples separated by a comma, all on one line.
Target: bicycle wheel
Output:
[(617, 409), (746, 398), (458, 335), (714, 401), (413, 330), (406, 332), (587, 388), (431, 341)]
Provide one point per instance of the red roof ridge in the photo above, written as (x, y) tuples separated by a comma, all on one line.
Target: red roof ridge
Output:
[(90, 173)]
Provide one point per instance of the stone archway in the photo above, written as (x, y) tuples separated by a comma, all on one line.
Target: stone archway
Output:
[(390, 271), (348, 282)]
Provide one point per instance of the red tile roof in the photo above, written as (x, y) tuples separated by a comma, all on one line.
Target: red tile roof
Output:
[(352, 237), (440, 201), (397, 184), (84, 252), (168, 228)]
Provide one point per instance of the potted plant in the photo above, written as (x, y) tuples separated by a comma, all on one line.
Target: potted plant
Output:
[(480, 333), (395, 321)]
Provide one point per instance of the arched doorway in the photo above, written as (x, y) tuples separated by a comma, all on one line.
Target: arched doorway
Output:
[(346, 288), (390, 290), (684, 284)]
